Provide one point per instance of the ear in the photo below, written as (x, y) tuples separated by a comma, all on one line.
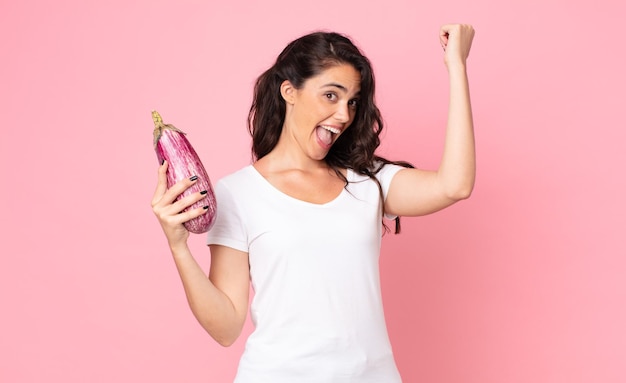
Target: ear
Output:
[(287, 90)]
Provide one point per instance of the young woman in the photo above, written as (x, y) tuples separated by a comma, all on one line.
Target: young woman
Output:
[(303, 223)]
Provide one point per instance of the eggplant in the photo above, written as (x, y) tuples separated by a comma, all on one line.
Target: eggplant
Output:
[(172, 145)]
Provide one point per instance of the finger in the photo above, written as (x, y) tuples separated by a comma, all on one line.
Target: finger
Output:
[(191, 214), (176, 214), (446, 33), (443, 36), (447, 29), (161, 183), (186, 202), (457, 31), (177, 189)]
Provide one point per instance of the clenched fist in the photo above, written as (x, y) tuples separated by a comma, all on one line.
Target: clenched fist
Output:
[(456, 40)]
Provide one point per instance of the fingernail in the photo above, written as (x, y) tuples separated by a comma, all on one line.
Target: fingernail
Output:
[(205, 207), (203, 192), (193, 178)]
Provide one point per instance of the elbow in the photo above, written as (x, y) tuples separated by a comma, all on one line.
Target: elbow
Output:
[(457, 187), (224, 329), (464, 194), (225, 337), (460, 192), (225, 342)]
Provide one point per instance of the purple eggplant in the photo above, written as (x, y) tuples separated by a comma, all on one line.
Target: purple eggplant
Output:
[(172, 145)]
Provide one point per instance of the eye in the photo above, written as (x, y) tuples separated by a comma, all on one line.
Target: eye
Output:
[(353, 103), (331, 96)]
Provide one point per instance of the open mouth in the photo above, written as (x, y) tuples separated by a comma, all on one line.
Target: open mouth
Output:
[(326, 134)]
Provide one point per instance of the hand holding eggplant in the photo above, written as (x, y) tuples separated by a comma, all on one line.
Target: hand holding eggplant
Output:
[(172, 146), (183, 200), (172, 211)]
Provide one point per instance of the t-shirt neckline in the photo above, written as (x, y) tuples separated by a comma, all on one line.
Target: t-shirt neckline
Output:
[(286, 196)]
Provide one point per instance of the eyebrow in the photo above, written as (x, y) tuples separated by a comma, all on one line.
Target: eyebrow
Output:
[(337, 85), (334, 84)]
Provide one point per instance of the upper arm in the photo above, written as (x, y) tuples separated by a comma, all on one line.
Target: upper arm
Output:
[(415, 192), (230, 273)]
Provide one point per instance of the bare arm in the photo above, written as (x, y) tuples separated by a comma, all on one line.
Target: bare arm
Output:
[(219, 302), (418, 192)]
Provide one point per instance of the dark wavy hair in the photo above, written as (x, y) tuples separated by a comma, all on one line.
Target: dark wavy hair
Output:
[(302, 59)]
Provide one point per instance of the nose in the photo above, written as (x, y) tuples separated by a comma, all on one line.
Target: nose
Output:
[(342, 114)]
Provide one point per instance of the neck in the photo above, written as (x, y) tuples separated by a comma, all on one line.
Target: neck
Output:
[(284, 158), (288, 154)]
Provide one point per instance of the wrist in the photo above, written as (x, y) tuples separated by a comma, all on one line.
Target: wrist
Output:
[(456, 66), (179, 248)]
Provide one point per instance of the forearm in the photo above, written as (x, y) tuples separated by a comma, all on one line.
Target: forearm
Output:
[(212, 308), (457, 171)]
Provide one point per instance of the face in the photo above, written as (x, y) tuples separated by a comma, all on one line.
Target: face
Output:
[(321, 110)]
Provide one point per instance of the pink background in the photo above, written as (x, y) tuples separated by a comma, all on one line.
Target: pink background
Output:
[(524, 282)]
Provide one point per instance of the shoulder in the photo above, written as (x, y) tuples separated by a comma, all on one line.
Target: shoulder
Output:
[(385, 172), (236, 178), (235, 186), (379, 170), (382, 175)]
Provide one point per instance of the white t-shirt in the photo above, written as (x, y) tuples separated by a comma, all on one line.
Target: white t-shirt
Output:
[(317, 307)]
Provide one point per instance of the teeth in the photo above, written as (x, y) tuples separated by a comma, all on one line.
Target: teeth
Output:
[(331, 129)]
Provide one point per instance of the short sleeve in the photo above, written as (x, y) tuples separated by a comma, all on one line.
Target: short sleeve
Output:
[(229, 229), (384, 176)]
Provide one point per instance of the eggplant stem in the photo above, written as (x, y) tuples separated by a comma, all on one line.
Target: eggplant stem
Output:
[(159, 126)]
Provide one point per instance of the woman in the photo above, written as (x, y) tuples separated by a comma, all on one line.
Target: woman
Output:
[(303, 222)]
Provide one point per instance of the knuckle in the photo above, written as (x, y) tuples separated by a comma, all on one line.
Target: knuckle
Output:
[(160, 216), (154, 203), (170, 221)]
